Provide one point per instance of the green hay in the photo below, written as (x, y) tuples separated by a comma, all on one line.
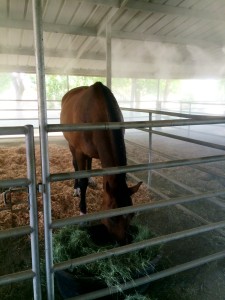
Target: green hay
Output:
[(71, 242), (137, 297)]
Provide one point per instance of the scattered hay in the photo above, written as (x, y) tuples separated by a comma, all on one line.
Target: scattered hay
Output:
[(137, 297), (73, 241), (13, 165)]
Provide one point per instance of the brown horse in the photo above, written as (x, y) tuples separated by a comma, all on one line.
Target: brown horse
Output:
[(92, 105)]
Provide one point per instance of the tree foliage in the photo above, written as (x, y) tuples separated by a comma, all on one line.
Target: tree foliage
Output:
[(75, 81), (56, 86), (5, 81)]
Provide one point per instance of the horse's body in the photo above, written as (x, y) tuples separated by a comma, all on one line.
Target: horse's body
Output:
[(92, 105)]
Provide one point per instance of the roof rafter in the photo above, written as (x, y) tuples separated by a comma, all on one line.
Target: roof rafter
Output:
[(102, 73), (49, 27), (90, 32), (141, 31), (167, 9), (50, 53), (165, 39), (178, 11)]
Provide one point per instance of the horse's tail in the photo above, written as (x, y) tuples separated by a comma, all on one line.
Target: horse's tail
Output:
[(115, 115), (114, 111)]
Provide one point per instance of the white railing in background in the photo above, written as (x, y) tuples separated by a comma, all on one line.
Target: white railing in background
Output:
[(22, 112)]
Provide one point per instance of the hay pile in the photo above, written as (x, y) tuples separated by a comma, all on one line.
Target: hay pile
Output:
[(74, 241), (13, 165)]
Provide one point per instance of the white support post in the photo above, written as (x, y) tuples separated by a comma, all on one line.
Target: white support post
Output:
[(150, 149), (42, 108), (108, 55)]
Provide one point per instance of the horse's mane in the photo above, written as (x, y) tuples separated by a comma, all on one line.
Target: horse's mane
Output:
[(114, 115)]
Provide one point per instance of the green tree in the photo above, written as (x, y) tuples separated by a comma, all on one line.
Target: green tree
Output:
[(18, 85), (168, 87), (75, 81), (56, 86), (14, 79), (146, 87), (5, 81)]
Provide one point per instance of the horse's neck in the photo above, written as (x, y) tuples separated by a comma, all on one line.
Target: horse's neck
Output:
[(114, 181), (107, 155), (110, 153)]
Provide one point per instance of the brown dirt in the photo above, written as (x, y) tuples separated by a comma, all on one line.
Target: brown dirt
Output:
[(64, 204), (207, 281), (202, 283)]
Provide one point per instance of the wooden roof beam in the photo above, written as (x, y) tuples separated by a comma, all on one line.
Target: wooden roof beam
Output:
[(166, 9), (49, 27), (50, 53)]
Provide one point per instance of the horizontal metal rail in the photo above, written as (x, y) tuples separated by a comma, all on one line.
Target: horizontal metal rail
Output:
[(13, 232), (187, 188), (14, 182), (28, 119), (200, 168), (21, 119), (135, 168), (136, 125), (137, 246), (168, 113), (185, 139), (192, 190), (186, 210), (152, 277), (13, 130), (15, 277), (132, 209), (32, 229)]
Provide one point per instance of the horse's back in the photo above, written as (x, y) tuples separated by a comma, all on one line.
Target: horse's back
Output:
[(70, 102), (90, 105), (94, 104)]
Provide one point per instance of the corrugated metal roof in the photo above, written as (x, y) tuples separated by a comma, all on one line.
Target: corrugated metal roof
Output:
[(158, 38)]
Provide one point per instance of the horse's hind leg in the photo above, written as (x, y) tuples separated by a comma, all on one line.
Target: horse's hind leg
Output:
[(91, 181), (83, 187), (77, 191), (80, 188), (80, 163)]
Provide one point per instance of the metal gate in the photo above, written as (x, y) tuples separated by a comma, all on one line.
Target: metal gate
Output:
[(47, 178), (30, 183)]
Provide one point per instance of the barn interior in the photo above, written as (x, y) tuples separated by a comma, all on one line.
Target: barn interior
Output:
[(160, 40)]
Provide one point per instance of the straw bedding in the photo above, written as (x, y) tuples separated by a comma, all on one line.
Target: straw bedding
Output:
[(64, 204)]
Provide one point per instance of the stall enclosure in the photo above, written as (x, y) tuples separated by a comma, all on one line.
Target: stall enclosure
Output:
[(47, 178)]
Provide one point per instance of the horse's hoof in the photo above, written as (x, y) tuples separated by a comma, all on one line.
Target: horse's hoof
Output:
[(83, 224), (92, 183), (77, 192)]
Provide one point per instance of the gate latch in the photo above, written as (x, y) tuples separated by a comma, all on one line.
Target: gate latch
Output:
[(7, 195), (40, 187)]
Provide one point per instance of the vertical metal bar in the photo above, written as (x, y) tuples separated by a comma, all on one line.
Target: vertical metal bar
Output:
[(39, 54), (158, 90), (133, 91), (189, 129), (158, 103), (67, 82), (31, 174), (150, 149), (108, 55)]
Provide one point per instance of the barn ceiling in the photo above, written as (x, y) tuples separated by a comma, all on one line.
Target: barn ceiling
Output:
[(154, 39)]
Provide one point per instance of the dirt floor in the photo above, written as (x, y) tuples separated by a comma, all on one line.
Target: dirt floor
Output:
[(201, 283)]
